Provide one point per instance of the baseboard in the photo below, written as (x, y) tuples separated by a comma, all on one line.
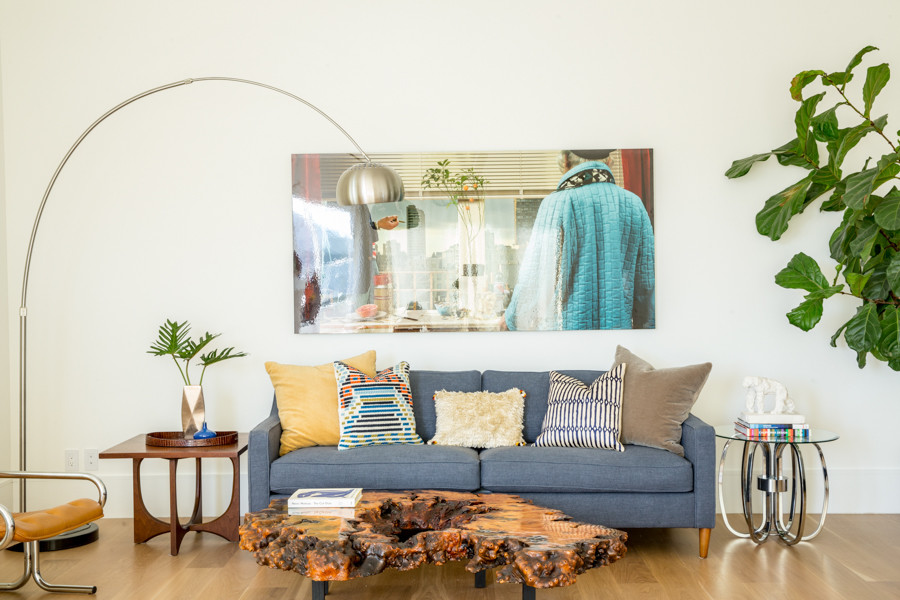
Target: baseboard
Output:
[(851, 491), (216, 493)]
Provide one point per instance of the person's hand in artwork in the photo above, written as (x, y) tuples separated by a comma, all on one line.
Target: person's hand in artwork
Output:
[(388, 223)]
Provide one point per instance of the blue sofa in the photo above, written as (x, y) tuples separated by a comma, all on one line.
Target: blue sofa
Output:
[(641, 487)]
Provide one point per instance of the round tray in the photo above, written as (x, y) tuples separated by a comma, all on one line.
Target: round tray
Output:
[(176, 439)]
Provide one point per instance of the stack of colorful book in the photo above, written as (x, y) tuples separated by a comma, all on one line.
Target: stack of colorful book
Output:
[(772, 427)]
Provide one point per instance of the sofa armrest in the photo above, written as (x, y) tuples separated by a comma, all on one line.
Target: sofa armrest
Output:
[(699, 442), (264, 443)]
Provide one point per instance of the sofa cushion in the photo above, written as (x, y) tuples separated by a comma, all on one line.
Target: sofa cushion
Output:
[(424, 384), (581, 415), (657, 401), (536, 385), (308, 403), (479, 419), (375, 410), (392, 467), (549, 469)]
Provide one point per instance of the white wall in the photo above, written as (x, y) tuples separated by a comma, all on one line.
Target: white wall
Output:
[(178, 206), (6, 486)]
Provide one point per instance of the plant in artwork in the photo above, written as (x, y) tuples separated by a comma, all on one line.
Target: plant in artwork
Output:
[(173, 341), (463, 189), (866, 244)]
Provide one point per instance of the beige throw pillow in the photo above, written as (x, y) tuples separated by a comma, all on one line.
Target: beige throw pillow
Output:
[(657, 401), (479, 419), (307, 401)]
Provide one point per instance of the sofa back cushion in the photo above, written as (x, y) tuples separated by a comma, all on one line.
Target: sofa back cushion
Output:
[(536, 385), (424, 384)]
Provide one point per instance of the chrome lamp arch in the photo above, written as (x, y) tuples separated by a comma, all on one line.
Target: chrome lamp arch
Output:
[(365, 182)]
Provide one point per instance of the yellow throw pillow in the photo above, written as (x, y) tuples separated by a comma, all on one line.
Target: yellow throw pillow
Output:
[(307, 401)]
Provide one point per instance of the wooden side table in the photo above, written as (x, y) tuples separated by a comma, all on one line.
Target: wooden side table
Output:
[(146, 526)]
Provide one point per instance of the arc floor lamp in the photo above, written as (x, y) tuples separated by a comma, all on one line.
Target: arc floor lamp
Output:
[(363, 183)]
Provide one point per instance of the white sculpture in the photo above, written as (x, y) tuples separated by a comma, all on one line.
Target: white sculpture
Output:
[(760, 387)]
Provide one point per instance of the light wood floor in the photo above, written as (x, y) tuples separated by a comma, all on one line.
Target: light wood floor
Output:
[(855, 556)]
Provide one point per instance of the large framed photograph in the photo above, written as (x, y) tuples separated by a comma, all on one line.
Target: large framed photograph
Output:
[(482, 241)]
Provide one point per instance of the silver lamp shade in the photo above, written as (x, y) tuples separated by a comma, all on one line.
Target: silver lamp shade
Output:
[(369, 183)]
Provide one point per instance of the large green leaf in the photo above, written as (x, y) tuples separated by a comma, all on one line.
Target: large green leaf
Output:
[(837, 78), (863, 330), (192, 348), (171, 338), (741, 167), (837, 334), (847, 139), (878, 288), (859, 188), (857, 281), (854, 62), (887, 215), (839, 243), (892, 272), (888, 168), (215, 356), (861, 185), (889, 345), (825, 125), (801, 80), (866, 232), (772, 220), (807, 315), (876, 78), (802, 272), (793, 153), (803, 119), (835, 202)]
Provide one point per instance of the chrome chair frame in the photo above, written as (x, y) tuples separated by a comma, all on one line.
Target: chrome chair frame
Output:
[(31, 550)]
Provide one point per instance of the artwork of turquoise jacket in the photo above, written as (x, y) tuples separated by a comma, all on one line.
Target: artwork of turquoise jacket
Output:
[(589, 263)]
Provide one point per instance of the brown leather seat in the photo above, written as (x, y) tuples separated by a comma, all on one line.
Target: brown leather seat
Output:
[(31, 527), (42, 524)]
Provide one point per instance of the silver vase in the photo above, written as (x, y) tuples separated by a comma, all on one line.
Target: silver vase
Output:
[(193, 410)]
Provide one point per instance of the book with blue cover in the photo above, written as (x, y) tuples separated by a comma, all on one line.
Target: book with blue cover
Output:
[(331, 497)]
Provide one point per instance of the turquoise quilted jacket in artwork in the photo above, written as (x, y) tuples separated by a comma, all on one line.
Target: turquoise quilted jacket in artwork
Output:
[(589, 263)]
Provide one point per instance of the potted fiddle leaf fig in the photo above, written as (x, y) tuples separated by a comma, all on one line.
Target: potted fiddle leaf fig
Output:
[(173, 341), (866, 245)]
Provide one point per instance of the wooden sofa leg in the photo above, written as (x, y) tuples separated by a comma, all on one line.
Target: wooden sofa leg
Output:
[(704, 541)]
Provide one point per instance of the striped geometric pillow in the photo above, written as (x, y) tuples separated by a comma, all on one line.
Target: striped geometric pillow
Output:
[(375, 411), (583, 416)]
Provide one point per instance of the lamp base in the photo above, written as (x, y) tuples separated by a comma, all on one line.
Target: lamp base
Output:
[(86, 534)]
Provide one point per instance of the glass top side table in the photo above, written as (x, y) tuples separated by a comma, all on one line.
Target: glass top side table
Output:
[(773, 483)]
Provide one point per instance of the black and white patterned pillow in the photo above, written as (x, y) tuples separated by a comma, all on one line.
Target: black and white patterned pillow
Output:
[(584, 416)]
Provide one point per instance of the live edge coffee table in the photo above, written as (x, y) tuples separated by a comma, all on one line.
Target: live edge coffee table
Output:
[(534, 546), (146, 526)]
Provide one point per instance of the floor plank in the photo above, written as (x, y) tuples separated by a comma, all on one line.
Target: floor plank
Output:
[(855, 557)]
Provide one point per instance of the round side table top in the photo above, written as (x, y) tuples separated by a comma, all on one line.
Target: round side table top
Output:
[(816, 436)]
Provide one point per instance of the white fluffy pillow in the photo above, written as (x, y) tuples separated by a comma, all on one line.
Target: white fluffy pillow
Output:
[(479, 419)]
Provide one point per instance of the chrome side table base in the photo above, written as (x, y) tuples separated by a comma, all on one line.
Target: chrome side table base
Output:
[(773, 484)]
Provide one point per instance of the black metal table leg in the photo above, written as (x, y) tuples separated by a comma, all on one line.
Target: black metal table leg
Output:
[(319, 590), (481, 579), (527, 592)]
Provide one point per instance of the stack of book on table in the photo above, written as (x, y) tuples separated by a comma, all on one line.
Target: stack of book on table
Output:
[(772, 427), (325, 502)]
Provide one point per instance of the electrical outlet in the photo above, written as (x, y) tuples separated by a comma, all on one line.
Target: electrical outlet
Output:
[(90, 459), (71, 460)]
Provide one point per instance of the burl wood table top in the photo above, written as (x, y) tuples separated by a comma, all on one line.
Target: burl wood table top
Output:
[(531, 545)]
